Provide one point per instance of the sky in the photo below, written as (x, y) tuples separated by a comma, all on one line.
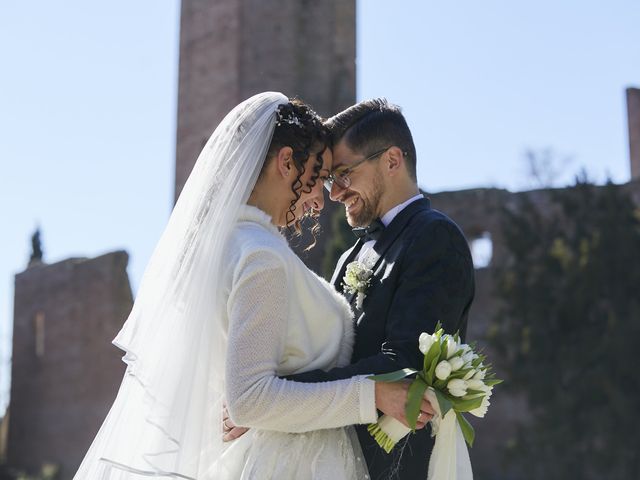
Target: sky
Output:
[(88, 95)]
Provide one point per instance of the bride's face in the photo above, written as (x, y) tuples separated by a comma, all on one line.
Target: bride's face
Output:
[(312, 194)]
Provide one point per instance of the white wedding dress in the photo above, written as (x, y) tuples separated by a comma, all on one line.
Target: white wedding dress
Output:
[(283, 319), (224, 308)]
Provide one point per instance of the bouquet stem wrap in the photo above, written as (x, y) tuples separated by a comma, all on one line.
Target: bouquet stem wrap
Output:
[(449, 458), (388, 431)]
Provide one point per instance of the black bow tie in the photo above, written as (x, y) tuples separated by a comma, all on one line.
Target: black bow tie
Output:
[(372, 232)]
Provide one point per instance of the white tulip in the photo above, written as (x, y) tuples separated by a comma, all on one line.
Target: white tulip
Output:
[(443, 370), (457, 387), (456, 363), (467, 357), (474, 384), (469, 374), (481, 411), (452, 346), (480, 374), (425, 342)]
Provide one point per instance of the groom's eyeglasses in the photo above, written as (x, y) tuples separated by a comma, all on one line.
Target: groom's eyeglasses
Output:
[(340, 175)]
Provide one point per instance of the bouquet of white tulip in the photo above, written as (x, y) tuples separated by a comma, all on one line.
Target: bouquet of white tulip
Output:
[(456, 380)]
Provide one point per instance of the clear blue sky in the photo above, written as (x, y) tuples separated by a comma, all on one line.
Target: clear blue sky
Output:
[(88, 101)]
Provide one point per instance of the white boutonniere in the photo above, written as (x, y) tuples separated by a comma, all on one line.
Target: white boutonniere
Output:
[(357, 279)]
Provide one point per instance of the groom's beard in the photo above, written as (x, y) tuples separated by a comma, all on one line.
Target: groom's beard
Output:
[(369, 210)]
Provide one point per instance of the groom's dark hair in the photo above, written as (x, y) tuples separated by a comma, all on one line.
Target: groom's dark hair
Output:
[(371, 125)]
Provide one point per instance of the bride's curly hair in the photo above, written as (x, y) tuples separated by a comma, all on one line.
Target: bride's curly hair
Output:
[(302, 129)]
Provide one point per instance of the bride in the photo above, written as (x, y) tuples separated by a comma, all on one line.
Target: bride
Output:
[(225, 309)]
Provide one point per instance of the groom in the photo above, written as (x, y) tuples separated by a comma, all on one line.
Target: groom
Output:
[(422, 268)]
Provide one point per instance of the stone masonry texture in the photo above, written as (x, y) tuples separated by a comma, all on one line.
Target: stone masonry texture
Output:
[(233, 49), (65, 371)]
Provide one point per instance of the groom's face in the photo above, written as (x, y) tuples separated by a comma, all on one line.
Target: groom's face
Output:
[(362, 197)]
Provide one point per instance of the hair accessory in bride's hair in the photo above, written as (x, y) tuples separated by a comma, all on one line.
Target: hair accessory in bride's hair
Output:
[(287, 116), (286, 113)]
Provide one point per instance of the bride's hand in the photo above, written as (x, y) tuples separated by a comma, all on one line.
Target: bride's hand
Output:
[(391, 399), (229, 429)]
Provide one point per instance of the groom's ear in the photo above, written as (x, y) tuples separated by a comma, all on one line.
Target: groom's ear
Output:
[(284, 161), (394, 160)]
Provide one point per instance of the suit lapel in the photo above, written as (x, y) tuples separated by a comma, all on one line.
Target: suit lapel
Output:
[(389, 235), (395, 228)]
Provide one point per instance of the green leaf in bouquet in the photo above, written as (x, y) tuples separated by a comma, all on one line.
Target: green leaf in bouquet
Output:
[(445, 347), (393, 376), (467, 429), (472, 393), (441, 384), (443, 402), (480, 360), (459, 373), (431, 371), (433, 352), (438, 332), (456, 337), (414, 401), (432, 355), (460, 405), (492, 381), (457, 353)]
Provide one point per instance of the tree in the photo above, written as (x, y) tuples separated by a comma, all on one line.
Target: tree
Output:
[(341, 239), (568, 330), (544, 167)]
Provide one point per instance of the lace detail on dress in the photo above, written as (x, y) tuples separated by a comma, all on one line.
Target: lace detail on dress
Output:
[(328, 455)]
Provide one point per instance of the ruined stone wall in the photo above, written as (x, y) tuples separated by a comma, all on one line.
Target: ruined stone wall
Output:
[(65, 371)]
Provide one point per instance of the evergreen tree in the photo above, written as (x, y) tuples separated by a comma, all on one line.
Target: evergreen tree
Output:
[(568, 329)]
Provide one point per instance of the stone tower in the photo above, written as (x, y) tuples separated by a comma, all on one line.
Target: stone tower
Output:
[(233, 49), (65, 372), (633, 112)]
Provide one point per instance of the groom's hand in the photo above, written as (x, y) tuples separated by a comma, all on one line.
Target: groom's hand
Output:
[(391, 399), (229, 430)]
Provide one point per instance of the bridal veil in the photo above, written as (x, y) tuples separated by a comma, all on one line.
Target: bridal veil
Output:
[(166, 421)]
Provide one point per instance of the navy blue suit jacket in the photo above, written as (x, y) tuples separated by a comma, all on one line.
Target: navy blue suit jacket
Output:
[(423, 273)]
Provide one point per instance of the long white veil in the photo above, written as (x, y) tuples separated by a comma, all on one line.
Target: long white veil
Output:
[(166, 421)]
